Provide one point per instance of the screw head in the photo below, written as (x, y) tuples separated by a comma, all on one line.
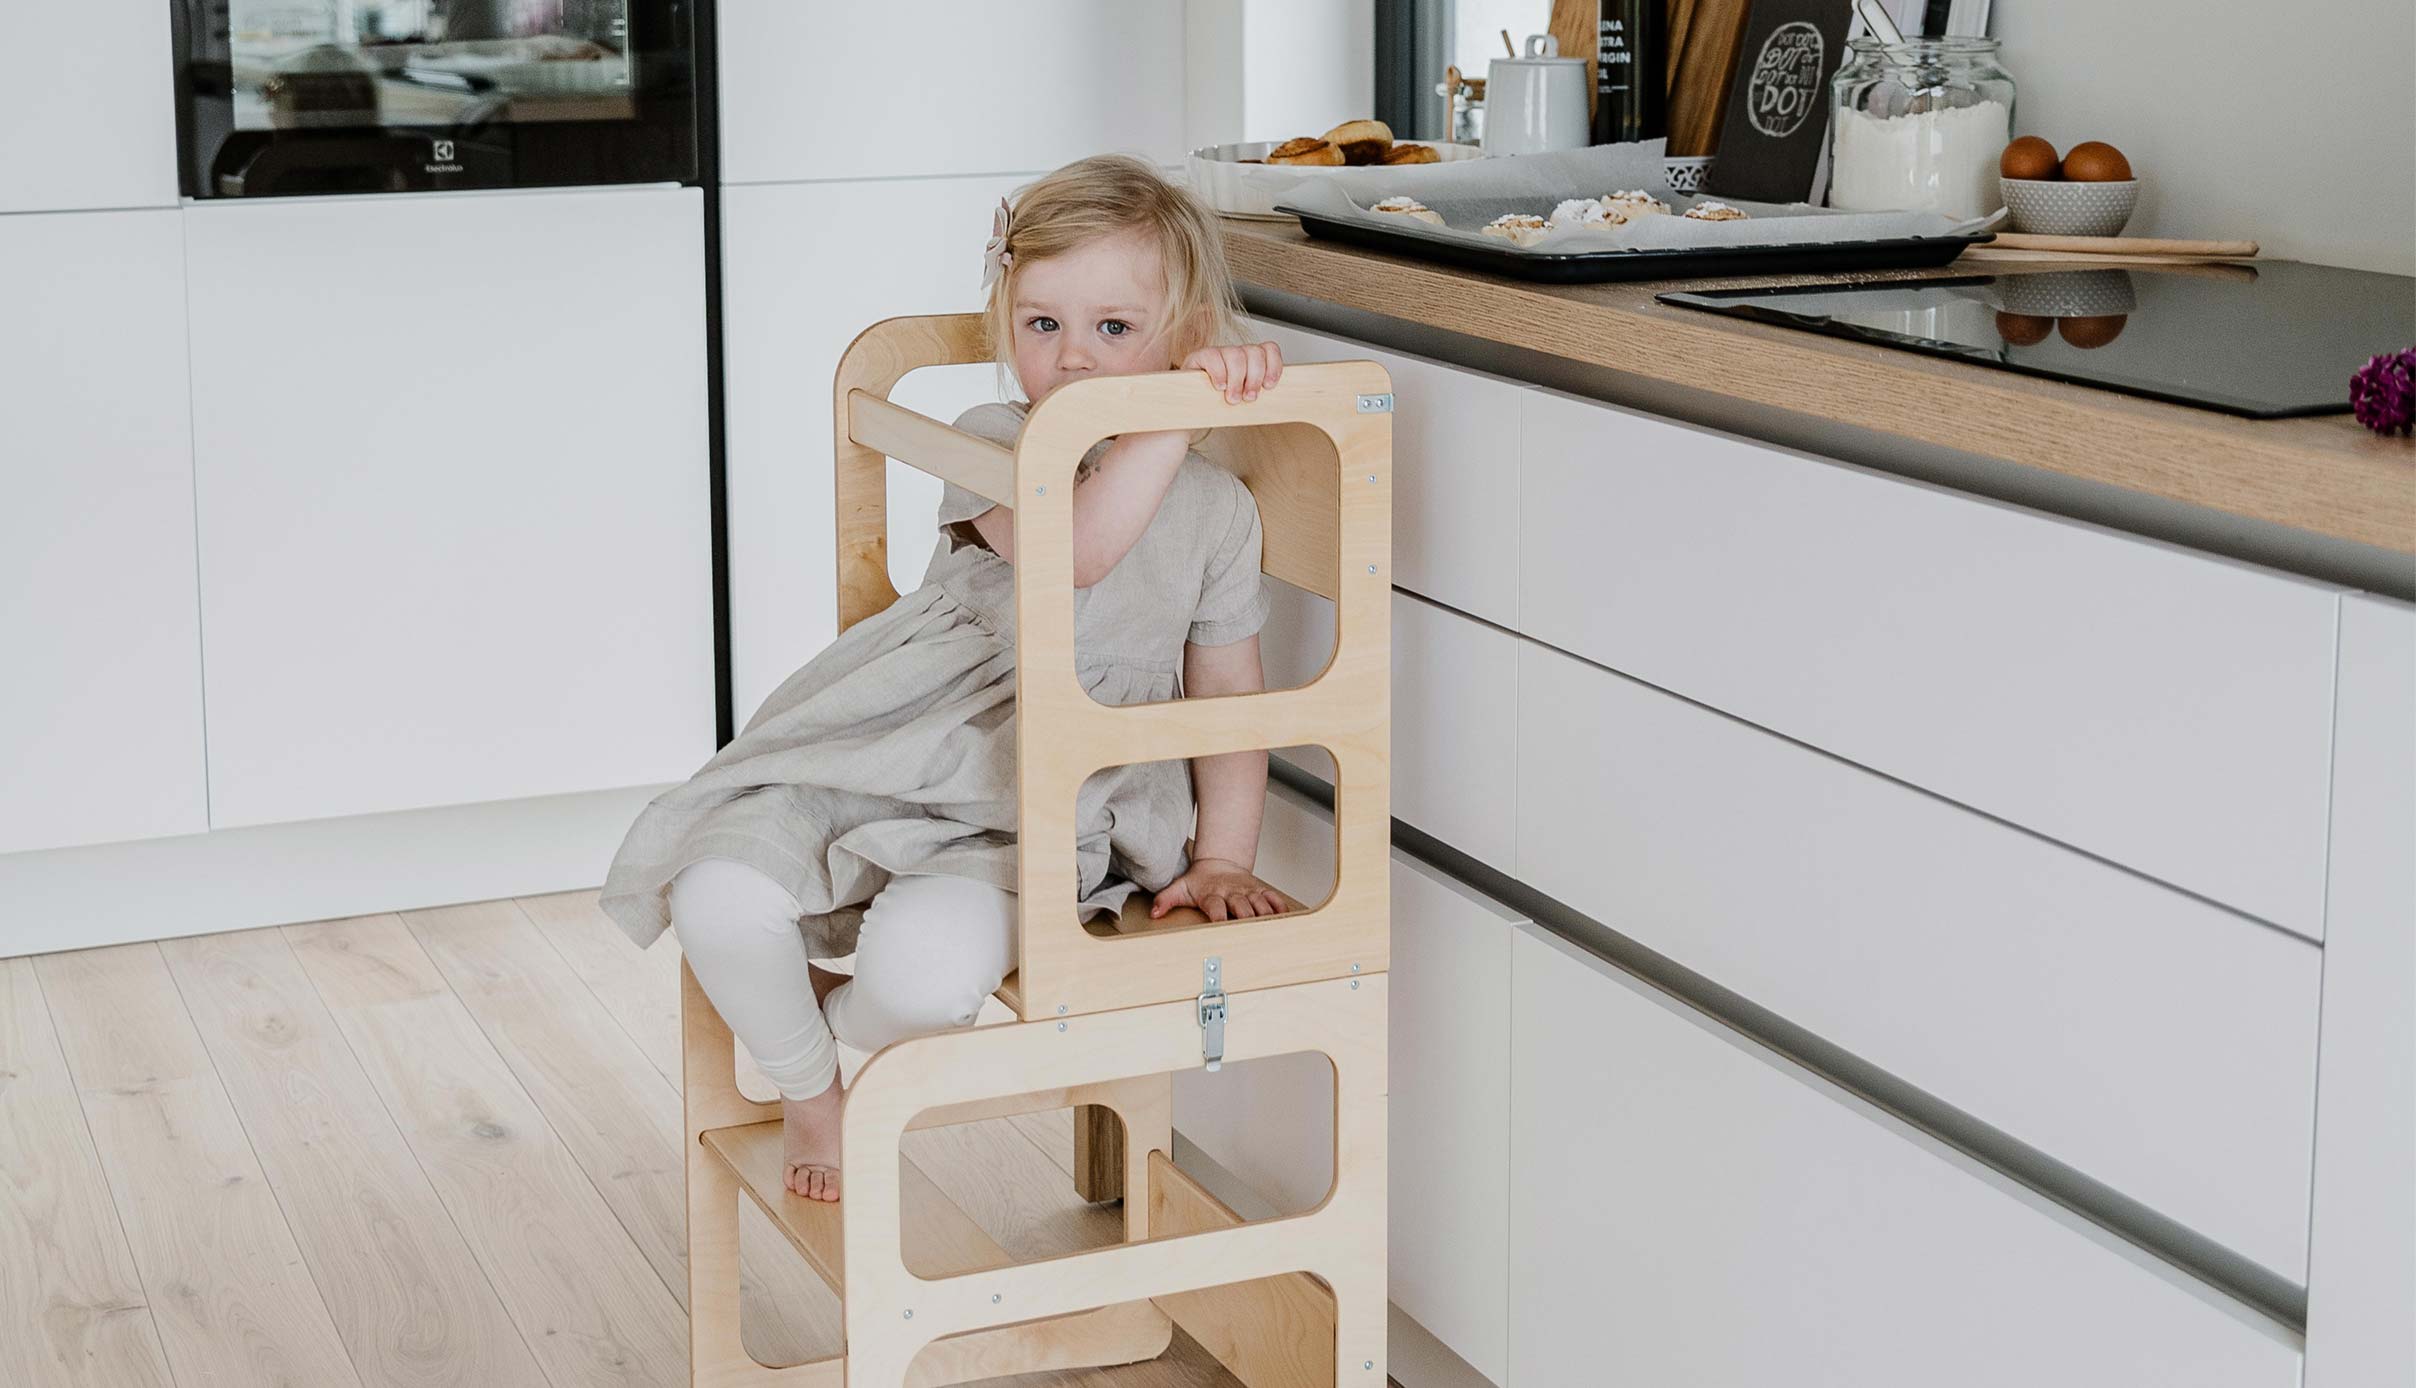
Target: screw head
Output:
[(1354, 985), (1367, 1363), (1354, 968), (1371, 568), (1371, 477), (993, 1298), (910, 1313), (1040, 491), (1061, 1026)]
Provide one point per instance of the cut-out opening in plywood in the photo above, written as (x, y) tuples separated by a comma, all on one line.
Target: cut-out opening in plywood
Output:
[(944, 393), (1262, 1133), (1293, 475), (1297, 856)]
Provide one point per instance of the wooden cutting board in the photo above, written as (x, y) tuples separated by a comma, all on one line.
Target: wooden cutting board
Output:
[(1576, 25)]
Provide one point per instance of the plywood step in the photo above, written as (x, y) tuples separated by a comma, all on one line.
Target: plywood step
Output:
[(939, 1240), (1276, 1330)]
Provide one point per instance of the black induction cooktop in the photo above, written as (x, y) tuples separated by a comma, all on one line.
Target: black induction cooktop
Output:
[(2270, 339)]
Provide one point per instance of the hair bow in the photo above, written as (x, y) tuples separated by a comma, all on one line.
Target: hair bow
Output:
[(995, 255)]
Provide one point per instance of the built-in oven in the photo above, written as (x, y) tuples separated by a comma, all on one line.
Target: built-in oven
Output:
[(286, 97)]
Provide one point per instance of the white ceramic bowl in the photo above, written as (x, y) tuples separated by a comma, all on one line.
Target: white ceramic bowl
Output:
[(2054, 207), (1238, 189)]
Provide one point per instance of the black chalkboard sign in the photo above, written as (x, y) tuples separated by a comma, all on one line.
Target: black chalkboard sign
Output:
[(1778, 108)]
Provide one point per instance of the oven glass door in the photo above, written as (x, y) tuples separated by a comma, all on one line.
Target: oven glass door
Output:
[(284, 97)]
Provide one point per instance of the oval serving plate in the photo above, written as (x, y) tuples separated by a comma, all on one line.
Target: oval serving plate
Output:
[(1240, 189)]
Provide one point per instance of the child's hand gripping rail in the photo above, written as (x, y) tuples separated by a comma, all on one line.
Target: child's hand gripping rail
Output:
[(1323, 481)]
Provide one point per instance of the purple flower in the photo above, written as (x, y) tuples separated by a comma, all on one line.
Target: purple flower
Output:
[(2383, 393)]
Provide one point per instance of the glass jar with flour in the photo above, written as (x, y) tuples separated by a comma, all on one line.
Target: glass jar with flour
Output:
[(1919, 125)]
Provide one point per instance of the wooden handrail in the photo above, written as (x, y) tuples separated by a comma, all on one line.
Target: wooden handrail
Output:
[(979, 466)]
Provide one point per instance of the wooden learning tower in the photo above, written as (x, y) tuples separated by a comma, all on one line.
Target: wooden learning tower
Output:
[(1104, 1017)]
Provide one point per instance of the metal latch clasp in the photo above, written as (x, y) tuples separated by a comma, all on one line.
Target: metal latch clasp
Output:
[(1212, 1012)]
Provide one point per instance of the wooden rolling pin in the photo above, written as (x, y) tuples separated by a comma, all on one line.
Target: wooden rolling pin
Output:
[(2126, 245)]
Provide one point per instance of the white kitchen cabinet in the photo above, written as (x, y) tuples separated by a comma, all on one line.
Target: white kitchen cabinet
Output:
[(1455, 474), (788, 313), (100, 709), (88, 107), (1688, 1209), (1449, 1101), (2154, 1042), (454, 542), (1455, 714), (939, 87), (2362, 1263), (2166, 710)]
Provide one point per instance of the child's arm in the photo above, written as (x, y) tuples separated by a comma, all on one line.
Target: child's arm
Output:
[(1114, 505), (1231, 789)]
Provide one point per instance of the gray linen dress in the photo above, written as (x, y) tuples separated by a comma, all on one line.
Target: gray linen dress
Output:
[(893, 751)]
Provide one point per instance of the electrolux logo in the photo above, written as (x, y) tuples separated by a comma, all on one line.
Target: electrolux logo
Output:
[(440, 154)]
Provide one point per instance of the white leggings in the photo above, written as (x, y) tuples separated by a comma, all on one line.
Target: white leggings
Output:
[(932, 950)]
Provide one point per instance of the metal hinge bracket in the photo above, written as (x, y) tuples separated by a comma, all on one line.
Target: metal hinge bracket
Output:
[(1376, 404), (1212, 1012)]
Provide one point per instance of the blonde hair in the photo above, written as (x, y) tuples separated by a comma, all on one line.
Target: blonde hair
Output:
[(1110, 195)]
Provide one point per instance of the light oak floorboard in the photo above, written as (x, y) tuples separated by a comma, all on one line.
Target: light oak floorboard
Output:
[(590, 1308), (232, 1297), (618, 1117), (406, 1288), (72, 1310)]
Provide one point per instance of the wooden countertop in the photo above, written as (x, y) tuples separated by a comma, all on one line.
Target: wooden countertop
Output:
[(2325, 475)]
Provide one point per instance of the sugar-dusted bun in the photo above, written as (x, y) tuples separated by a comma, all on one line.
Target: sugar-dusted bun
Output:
[(1635, 202), (1598, 213), (1308, 149), (1715, 212), (1410, 208), (1517, 228), (1361, 141), (1408, 153)]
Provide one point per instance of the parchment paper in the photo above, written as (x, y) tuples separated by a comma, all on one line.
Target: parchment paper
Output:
[(1473, 192)]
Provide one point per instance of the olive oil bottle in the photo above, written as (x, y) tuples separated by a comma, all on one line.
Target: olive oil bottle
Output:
[(1631, 66)]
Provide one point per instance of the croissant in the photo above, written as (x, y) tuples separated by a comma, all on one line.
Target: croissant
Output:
[(1361, 141), (1306, 150)]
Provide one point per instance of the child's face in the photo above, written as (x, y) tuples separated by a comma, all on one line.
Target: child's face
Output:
[(1090, 312)]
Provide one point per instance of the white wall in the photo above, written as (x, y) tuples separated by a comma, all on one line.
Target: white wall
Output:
[(1273, 69), (2280, 124)]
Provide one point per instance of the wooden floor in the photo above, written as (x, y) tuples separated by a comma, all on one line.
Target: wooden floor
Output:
[(439, 1148)]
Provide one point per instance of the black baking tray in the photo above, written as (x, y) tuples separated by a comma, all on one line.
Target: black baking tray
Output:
[(1598, 267)]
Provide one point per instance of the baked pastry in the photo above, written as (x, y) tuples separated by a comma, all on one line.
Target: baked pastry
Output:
[(1599, 213), (1361, 141), (1635, 202), (1407, 153), (1715, 212), (1308, 149), (1518, 228), (1411, 208)]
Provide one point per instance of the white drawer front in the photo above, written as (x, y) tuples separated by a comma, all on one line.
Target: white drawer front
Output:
[(1686, 1209), (2154, 1042), (2167, 711), (923, 87), (1455, 715), (1455, 474)]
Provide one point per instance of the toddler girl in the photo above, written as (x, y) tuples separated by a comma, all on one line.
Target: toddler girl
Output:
[(870, 803)]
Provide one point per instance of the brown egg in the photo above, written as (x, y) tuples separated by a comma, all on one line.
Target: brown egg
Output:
[(2096, 162), (2024, 329), (2028, 157), (2090, 333)]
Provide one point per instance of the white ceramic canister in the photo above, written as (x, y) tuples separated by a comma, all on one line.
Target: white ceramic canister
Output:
[(1536, 103)]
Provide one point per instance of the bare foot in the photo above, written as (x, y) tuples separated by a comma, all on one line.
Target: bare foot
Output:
[(809, 1139), (809, 1128)]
